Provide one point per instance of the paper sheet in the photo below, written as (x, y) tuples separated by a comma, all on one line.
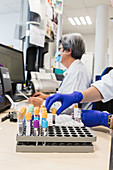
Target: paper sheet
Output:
[(58, 4), (37, 36), (49, 11)]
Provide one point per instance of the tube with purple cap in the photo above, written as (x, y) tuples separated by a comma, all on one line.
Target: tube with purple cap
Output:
[(36, 127), (1, 65)]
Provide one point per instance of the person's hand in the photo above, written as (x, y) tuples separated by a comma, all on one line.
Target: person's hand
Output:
[(36, 101), (41, 95), (92, 118), (66, 100)]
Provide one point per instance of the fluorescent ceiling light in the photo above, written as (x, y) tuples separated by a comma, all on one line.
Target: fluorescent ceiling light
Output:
[(77, 21), (88, 19), (71, 21), (82, 20)]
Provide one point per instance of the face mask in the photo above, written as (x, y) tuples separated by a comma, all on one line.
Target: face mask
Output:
[(58, 56)]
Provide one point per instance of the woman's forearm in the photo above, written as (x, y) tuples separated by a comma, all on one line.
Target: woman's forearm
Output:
[(92, 94)]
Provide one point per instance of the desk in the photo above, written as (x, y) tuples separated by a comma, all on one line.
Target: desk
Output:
[(10, 160)]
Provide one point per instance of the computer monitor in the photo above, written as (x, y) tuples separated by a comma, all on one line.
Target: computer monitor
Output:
[(13, 60)]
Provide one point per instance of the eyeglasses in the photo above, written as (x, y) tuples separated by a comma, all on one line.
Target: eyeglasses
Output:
[(59, 48)]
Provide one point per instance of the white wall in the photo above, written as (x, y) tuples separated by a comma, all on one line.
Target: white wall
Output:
[(88, 58), (90, 42), (7, 30)]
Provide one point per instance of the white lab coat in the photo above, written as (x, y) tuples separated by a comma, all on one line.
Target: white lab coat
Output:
[(105, 86), (77, 78)]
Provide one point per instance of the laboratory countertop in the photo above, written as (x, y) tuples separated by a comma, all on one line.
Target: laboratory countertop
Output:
[(12, 160)]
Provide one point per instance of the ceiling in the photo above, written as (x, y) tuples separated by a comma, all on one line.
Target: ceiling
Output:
[(9, 6), (77, 8), (72, 8)]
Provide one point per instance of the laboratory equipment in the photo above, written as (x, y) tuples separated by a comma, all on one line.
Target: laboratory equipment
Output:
[(54, 115), (44, 115), (72, 116), (36, 112), (13, 60), (31, 110), (64, 136), (44, 82), (36, 127), (76, 112), (28, 124), (79, 115), (43, 107), (44, 127), (21, 123), (11, 115), (69, 139), (5, 88)]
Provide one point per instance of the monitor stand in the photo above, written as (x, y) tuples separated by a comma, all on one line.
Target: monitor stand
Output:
[(16, 96), (13, 88), (19, 97)]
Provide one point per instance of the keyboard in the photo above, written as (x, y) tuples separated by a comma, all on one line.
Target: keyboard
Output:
[(17, 98)]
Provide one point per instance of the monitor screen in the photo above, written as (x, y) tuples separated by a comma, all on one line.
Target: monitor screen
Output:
[(13, 60)]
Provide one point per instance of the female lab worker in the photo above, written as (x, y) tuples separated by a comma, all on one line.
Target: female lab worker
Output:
[(100, 90), (77, 76)]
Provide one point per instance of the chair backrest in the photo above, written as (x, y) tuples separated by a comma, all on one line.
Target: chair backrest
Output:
[(108, 106), (106, 70)]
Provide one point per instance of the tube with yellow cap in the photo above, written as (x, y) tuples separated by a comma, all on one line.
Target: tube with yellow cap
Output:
[(54, 115), (76, 112), (44, 115), (28, 124), (42, 106), (36, 113), (21, 120), (40, 113)]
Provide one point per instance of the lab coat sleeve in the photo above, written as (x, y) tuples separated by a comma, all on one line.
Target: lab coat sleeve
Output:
[(105, 86)]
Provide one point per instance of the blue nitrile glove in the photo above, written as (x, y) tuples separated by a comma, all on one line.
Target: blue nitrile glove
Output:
[(66, 100), (92, 118)]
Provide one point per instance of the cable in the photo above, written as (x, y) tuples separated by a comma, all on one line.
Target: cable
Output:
[(13, 104), (23, 94)]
